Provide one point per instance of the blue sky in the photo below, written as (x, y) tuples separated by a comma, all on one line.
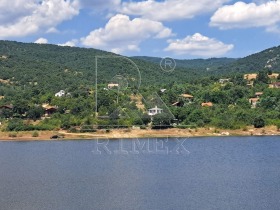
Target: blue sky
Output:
[(178, 28)]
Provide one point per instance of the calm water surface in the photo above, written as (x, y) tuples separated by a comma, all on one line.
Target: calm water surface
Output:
[(218, 173)]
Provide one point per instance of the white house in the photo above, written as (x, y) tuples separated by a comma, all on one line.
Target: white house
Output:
[(113, 85), (223, 81), (155, 111), (60, 93)]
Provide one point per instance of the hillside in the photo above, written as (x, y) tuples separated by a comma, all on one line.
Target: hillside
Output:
[(267, 59), (202, 64), (48, 87), (54, 67)]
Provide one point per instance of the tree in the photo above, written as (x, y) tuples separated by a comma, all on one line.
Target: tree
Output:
[(35, 113), (162, 120), (262, 77), (146, 119), (259, 122), (277, 123), (20, 106), (6, 113)]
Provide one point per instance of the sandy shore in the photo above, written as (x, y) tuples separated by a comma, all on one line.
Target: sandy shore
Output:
[(136, 133)]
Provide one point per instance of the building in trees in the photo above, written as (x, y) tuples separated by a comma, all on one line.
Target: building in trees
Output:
[(253, 102), (61, 93), (113, 85), (49, 110), (258, 94), (207, 104), (154, 111)]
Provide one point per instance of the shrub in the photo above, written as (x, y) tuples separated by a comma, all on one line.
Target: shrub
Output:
[(86, 129), (259, 122), (73, 130), (13, 135), (142, 127), (35, 134)]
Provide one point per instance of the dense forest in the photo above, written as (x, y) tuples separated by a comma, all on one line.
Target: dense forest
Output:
[(47, 87), (267, 59), (211, 64)]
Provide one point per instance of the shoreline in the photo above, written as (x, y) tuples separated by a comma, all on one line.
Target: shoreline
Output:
[(137, 133)]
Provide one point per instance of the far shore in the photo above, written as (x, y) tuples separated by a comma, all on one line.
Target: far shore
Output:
[(137, 133)]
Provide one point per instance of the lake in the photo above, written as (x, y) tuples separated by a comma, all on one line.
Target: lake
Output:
[(200, 174)]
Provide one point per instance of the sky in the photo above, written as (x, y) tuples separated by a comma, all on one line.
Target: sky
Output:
[(183, 29)]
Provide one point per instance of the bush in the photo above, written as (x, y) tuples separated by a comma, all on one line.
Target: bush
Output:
[(86, 129), (142, 127), (259, 122), (15, 125), (35, 134), (161, 121), (73, 130), (190, 126), (13, 135), (278, 126)]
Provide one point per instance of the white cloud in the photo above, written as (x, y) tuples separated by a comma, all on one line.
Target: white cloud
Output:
[(52, 30), (242, 15), (168, 10), (25, 17), (100, 4), (71, 43), (199, 45), (13, 11), (122, 34), (41, 41)]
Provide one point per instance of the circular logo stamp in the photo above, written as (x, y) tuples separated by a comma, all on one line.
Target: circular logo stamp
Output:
[(168, 64)]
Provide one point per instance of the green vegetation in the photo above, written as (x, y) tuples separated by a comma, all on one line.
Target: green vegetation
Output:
[(32, 74), (35, 134)]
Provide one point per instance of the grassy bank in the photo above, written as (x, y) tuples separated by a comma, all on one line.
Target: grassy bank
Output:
[(137, 133)]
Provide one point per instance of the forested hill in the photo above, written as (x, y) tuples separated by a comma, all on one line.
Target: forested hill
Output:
[(204, 64), (59, 83), (53, 67), (267, 59)]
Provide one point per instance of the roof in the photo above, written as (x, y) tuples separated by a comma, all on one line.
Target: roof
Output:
[(207, 104), (258, 93), (253, 99), (273, 76), (174, 104), (112, 85), (48, 107), (276, 83), (250, 76), (186, 95), (155, 109), (7, 106), (224, 79)]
